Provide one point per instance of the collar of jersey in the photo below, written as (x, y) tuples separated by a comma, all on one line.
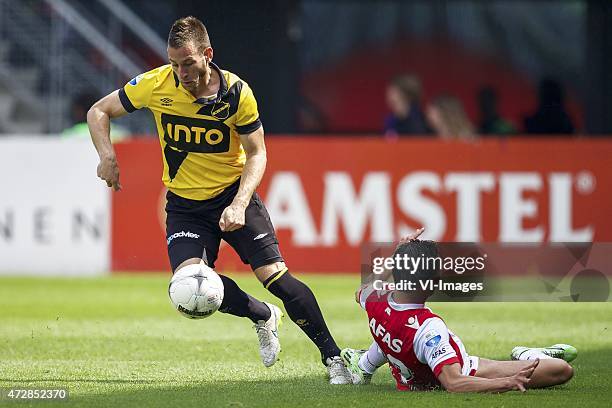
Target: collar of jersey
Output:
[(204, 101), (403, 306)]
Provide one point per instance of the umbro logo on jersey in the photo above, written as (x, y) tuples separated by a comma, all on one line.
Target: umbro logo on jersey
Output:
[(260, 236), (166, 101)]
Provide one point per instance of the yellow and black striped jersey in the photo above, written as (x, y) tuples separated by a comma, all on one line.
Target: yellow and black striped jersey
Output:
[(199, 138)]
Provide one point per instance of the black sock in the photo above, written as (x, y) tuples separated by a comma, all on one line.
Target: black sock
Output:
[(303, 309), (239, 303)]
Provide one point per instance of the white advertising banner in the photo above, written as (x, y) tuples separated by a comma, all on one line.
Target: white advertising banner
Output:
[(54, 211)]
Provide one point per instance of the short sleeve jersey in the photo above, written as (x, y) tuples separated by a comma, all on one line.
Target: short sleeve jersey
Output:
[(415, 341), (199, 138)]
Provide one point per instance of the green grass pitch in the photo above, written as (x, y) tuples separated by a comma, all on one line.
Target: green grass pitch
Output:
[(117, 341)]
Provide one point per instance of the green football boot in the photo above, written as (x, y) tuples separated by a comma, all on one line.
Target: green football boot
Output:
[(351, 359), (561, 351)]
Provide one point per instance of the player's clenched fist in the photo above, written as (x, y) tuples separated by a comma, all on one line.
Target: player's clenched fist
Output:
[(232, 218), (108, 170)]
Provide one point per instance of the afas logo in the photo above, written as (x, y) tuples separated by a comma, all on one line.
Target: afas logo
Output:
[(438, 353)]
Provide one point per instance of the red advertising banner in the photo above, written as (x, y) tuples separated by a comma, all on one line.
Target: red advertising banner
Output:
[(328, 195)]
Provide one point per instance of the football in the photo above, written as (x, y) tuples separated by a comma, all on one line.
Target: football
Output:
[(196, 291)]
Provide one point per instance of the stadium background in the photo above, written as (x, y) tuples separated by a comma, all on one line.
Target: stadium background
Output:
[(320, 71), (334, 181)]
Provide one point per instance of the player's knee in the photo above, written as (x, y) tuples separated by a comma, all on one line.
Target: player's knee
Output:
[(187, 262), (263, 273), (561, 371), (566, 372), (185, 268)]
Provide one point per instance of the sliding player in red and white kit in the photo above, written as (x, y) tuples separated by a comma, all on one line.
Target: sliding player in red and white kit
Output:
[(424, 354)]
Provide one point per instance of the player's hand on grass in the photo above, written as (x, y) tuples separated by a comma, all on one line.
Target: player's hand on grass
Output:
[(108, 170), (232, 217), (520, 380)]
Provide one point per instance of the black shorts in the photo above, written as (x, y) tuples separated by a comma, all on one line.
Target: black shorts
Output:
[(192, 230)]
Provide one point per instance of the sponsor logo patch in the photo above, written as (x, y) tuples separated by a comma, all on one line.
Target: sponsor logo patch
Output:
[(194, 314), (413, 323), (135, 80), (433, 339), (182, 234), (438, 353), (221, 110), (195, 135)]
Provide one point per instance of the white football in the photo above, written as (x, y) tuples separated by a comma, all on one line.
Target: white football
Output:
[(196, 291)]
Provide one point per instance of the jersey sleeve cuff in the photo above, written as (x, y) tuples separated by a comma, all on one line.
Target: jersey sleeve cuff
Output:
[(364, 294), (360, 298), (125, 101), (250, 128), (438, 368)]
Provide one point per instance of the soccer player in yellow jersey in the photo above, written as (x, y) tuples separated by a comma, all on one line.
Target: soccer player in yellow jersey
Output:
[(214, 155)]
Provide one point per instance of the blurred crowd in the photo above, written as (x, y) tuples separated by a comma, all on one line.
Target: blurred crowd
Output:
[(445, 116), (78, 119)]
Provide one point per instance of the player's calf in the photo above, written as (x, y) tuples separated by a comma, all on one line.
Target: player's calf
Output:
[(554, 368), (303, 309), (239, 303), (561, 372), (549, 372)]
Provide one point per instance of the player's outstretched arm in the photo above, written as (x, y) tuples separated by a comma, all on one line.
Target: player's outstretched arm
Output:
[(98, 120), (232, 217), (453, 381)]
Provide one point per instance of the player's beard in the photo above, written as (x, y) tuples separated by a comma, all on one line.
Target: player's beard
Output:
[(195, 83), (203, 77)]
